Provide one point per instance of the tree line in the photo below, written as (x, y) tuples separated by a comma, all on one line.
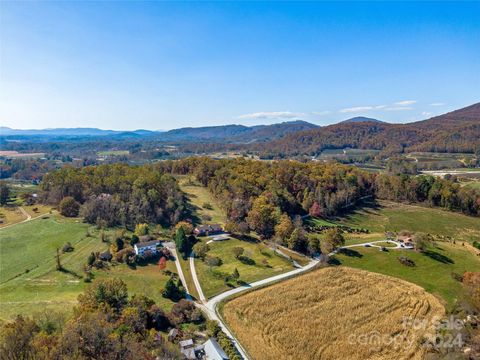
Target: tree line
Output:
[(254, 194), (116, 194)]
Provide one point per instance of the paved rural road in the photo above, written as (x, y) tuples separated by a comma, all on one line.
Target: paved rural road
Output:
[(210, 308), (195, 278), (180, 272), (372, 244)]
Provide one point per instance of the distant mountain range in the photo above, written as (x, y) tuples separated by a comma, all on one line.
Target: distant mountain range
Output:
[(360, 119), (456, 131), (230, 133), (6, 131)]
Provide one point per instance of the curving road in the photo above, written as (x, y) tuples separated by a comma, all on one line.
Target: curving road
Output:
[(210, 307)]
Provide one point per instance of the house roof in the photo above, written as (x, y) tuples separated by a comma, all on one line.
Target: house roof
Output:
[(173, 332), (106, 255), (147, 244), (186, 343), (213, 350), (209, 227), (202, 227)]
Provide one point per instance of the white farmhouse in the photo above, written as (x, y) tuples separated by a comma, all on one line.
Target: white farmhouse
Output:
[(150, 246)]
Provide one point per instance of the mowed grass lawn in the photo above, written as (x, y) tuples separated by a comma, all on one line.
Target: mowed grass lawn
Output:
[(267, 264), (389, 216), (432, 271), (197, 197), (146, 280)]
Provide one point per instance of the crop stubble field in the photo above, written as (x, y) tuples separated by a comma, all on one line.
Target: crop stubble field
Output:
[(321, 314)]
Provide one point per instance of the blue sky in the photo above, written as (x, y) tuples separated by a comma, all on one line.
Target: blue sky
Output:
[(155, 65)]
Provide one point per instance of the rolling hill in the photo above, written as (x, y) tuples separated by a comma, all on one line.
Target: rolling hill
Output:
[(360, 119), (223, 133), (456, 131)]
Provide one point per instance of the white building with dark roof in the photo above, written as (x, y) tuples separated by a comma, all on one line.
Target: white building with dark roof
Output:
[(142, 248)]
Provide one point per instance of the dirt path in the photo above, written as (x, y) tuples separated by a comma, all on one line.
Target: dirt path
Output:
[(195, 278), (28, 217), (180, 272)]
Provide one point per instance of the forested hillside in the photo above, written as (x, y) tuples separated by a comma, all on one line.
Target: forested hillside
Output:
[(457, 131), (255, 194), (117, 194)]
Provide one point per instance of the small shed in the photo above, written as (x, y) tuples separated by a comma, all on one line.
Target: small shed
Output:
[(187, 348), (172, 334)]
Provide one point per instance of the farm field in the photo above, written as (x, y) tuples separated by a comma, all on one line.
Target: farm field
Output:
[(10, 215), (266, 264), (40, 209), (321, 314), (198, 196), (29, 282), (15, 154), (113, 153), (432, 271), (390, 216), (28, 279)]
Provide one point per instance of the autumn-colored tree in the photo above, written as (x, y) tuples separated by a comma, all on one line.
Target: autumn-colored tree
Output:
[(316, 210), (111, 292), (263, 216), (141, 229), (332, 240), (162, 263), (187, 227), (284, 229)]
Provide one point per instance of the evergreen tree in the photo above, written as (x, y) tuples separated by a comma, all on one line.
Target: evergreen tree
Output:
[(181, 241), (4, 193)]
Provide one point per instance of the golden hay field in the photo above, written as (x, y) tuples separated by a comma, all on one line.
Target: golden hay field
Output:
[(334, 313)]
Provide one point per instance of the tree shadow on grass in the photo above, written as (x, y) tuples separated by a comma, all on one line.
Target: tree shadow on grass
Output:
[(334, 261), (350, 253), (246, 238), (362, 207), (438, 257), (246, 260)]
